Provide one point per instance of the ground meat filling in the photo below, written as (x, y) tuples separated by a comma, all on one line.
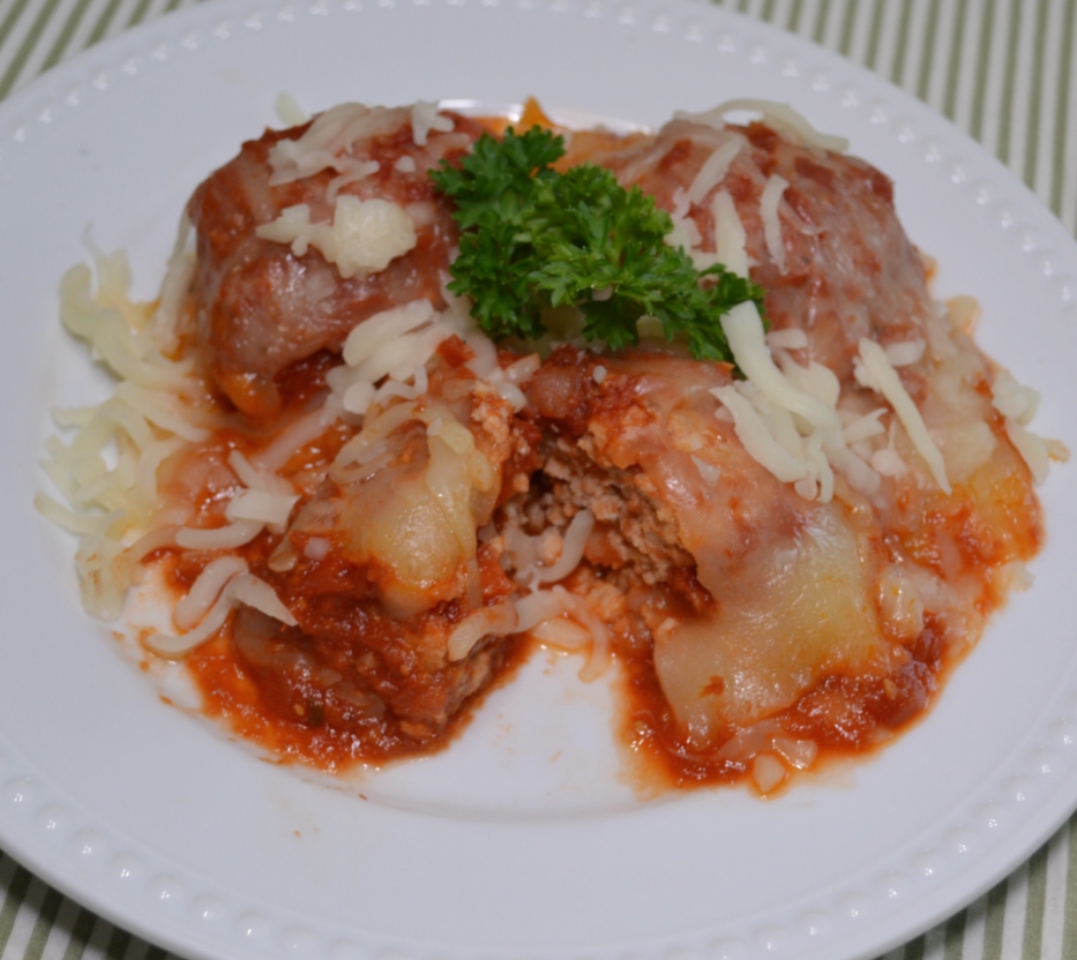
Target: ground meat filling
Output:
[(635, 534)]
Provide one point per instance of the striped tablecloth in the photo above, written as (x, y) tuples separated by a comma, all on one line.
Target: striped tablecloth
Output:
[(1003, 71)]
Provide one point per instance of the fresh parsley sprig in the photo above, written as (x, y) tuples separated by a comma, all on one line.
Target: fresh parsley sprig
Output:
[(533, 239)]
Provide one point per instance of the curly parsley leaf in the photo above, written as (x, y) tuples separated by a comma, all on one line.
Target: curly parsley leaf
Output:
[(534, 239)]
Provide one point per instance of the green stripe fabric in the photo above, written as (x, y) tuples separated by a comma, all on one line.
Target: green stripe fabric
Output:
[(1002, 71)]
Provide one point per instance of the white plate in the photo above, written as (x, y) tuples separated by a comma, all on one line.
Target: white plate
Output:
[(520, 841)]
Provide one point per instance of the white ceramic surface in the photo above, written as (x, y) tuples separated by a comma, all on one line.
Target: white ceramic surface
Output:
[(523, 840)]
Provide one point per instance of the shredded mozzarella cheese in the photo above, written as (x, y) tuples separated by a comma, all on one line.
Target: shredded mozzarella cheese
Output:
[(787, 418), (365, 236), (760, 442), (730, 237), (906, 353), (1032, 448), (743, 328), (1013, 399), (192, 609), (424, 118), (264, 506), (784, 119), (874, 370), (714, 169), (769, 203), (236, 586), (289, 110), (324, 144)]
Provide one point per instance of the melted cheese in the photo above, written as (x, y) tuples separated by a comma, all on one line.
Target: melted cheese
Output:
[(364, 236), (752, 659)]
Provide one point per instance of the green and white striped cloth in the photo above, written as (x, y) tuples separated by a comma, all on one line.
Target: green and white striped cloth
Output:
[(1003, 71)]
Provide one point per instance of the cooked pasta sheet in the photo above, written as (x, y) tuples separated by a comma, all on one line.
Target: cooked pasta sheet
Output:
[(365, 499)]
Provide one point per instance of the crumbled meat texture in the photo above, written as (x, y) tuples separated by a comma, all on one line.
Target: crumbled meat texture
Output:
[(621, 449), (631, 529), (640, 428)]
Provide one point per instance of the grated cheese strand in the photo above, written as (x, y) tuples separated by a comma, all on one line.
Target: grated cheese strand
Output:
[(769, 203), (730, 237), (762, 446), (744, 330), (714, 169), (877, 373)]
